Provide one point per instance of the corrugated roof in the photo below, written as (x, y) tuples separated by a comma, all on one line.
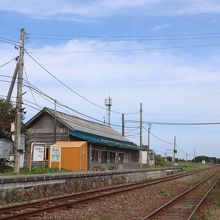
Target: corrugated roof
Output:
[(78, 124)]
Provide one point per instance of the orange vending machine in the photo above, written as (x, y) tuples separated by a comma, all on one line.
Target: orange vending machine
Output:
[(73, 155)]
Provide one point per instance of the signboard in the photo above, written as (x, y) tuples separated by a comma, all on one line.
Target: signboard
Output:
[(55, 154), (38, 154)]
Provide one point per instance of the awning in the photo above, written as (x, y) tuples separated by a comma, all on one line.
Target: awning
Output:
[(95, 139)]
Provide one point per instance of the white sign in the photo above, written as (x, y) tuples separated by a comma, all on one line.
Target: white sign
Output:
[(55, 154), (144, 157), (38, 154)]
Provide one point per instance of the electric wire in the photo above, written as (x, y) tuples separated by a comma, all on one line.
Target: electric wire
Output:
[(79, 123), (175, 123), (8, 42), (160, 139), (69, 88), (126, 50), (29, 86), (4, 64), (125, 36), (124, 39), (5, 81), (35, 89)]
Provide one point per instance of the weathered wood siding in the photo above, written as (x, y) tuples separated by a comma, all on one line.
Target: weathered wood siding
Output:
[(42, 130)]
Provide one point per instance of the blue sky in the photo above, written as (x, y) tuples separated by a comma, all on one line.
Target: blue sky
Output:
[(102, 47)]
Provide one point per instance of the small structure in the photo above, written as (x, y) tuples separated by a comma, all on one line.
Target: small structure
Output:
[(6, 149), (106, 148), (145, 157), (73, 155)]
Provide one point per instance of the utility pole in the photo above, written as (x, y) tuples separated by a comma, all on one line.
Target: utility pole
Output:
[(148, 144), (18, 120), (12, 82), (194, 160), (141, 124), (123, 124), (55, 121), (108, 104), (174, 150), (186, 157), (166, 156), (141, 128)]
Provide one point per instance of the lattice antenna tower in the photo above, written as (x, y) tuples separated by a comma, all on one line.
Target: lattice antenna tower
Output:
[(108, 104)]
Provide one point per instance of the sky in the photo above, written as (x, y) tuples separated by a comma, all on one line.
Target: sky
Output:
[(163, 53)]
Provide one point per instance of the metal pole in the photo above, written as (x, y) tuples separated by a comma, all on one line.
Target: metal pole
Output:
[(55, 121), (109, 111), (12, 83), (141, 124), (174, 150), (123, 124), (166, 157), (141, 143), (148, 147), (194, 160), (18, 120)]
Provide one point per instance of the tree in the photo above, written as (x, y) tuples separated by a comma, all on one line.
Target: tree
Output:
[(7, 116), (159, 160)]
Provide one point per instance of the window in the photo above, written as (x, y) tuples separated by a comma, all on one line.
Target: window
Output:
[(95, 155), (104, 156), (120, 157), (112, 157)]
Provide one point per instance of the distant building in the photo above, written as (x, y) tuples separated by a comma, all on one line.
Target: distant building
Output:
[(145, 154), (107, 149)]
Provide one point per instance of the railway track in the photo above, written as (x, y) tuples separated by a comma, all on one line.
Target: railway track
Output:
[(22, 211), (185, 205)]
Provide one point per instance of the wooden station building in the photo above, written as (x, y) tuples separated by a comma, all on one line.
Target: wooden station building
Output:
[(106, 148)]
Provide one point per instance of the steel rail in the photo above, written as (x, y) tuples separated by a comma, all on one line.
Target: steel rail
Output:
[(104, 192), (154, 181), (156, 211), (202, 200)]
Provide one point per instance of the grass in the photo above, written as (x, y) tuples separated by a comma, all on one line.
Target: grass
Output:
[(7, 170), (190, 166), (164, 193)]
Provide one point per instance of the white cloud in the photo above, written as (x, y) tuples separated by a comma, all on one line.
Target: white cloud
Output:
[(160, 27), (162, 78), (172, 87), (76, 10)]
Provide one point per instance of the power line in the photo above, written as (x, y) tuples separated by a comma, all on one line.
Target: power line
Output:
[(69, 88), (131, 135), (6, 81), (124, 36), (132, 49), (29, 87), (4, 64), (35, 89), (8, 42), (143, 38), (160, 139), (176, 123), (75, 122)]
